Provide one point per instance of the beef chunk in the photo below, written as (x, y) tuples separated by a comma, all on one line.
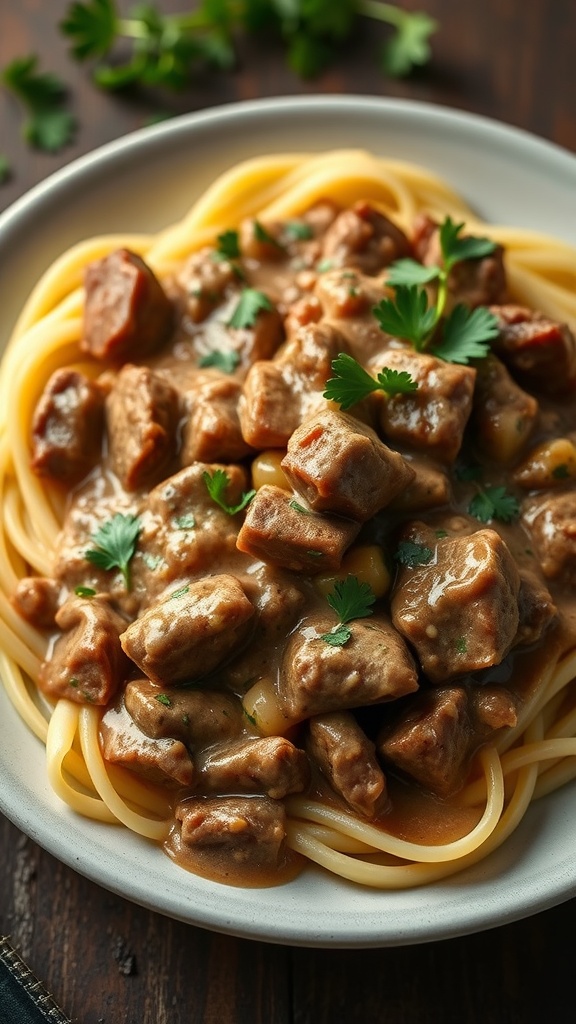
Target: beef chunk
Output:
[(190, 633), (165, 761), (363, 237), (475, 282), (67, 427), (346, 294), (204, 281), (127, 314), (551, 520), (460, 609), (539, 351), (87, 664), (434, 738), (434, 416), (275, 531), (504, 415), (341, 466), (346, 757), (246, 832), (430, 487), (373, 666), (271, 765), (279, 395), (142, 413), (36, 599), (197, 717), (536, 608), (212, 427)]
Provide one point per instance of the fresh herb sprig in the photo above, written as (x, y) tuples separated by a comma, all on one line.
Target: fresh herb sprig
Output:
[(167, 48), (250, 303), (228, 246), (217, 485), (224, 360), (466, 333), (350, 599), (351, 382), (115, 545), (48, 125), (494, 503)]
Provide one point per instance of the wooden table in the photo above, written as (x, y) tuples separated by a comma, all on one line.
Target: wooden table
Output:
[(108, 962)]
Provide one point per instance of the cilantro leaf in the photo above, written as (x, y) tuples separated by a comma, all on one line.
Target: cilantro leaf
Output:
[(228, 246), (408, 316), (225, 361), (4, 169), (408, 272), (250, 303), (337, 637), (409, 45), (92, 26), (352, 382), (494, 503), (410, 554), (48, 125), (350, 599), (217, 485), (115, 544), (455, 249), (467, 334), (164, 699)]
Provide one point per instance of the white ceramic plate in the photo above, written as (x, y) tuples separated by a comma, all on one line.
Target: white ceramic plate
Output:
[(142, 183)]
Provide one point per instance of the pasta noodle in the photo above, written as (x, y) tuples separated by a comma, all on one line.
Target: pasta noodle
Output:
[(531, 759)]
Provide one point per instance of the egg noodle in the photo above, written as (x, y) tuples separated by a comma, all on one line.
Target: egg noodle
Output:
[(537, 756)]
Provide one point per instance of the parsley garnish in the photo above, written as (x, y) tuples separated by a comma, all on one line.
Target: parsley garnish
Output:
[(84, 592), (152, 561), (352, 383), (185, 522), (180, 592), (494, 503), (225, 361), (4, 169), (298, 231), (410, 554), (48, 124), (164, 699), (167, 48), (217, 484), (466, 333), (115, 544), (228, 246), (461, 645), (299, 508), (250, 303), (350, 599), (262, 235)]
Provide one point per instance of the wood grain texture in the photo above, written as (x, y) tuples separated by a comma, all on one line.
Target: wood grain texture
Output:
[(109, 962)]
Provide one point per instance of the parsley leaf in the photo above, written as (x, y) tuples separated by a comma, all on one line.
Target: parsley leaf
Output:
[(250, 303), (92, 26), (84, 592), (299, 508), (466, 335), (352, 382), (115, 544), (262, 235), (455, 249), (350, 599), (225, 361), (185, 522), (228, 246), (164, 699), (410, 44), (407, 272), (494, 503), (410, 554), (408, 316), (48, 125), (298, 231), (217, 484)]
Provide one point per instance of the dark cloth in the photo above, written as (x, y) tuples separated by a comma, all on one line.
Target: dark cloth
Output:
[(23, 999)]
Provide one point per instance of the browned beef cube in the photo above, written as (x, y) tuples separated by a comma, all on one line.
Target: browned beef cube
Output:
[(191, 632), (345, 293), (261, 242), (67, 427), (536, 608), (430, 487), (341, 466), (197, 717), (270, 765), (434, 416), (373, 666), (211, 430), (233, 833), (165, 761), (142, 413), (539, 351), (459, 609), (127, 314), (434, 738), (476, 282), (204, 281), (86, 664), (551, 520), (36, 598), (504, 415), (363, 237), (276, 531), (346, 756)]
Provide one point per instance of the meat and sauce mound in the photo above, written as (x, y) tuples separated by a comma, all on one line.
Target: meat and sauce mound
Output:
[(272, 592)]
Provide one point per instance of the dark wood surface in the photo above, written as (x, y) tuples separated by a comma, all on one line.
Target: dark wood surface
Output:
[(109, 962)]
